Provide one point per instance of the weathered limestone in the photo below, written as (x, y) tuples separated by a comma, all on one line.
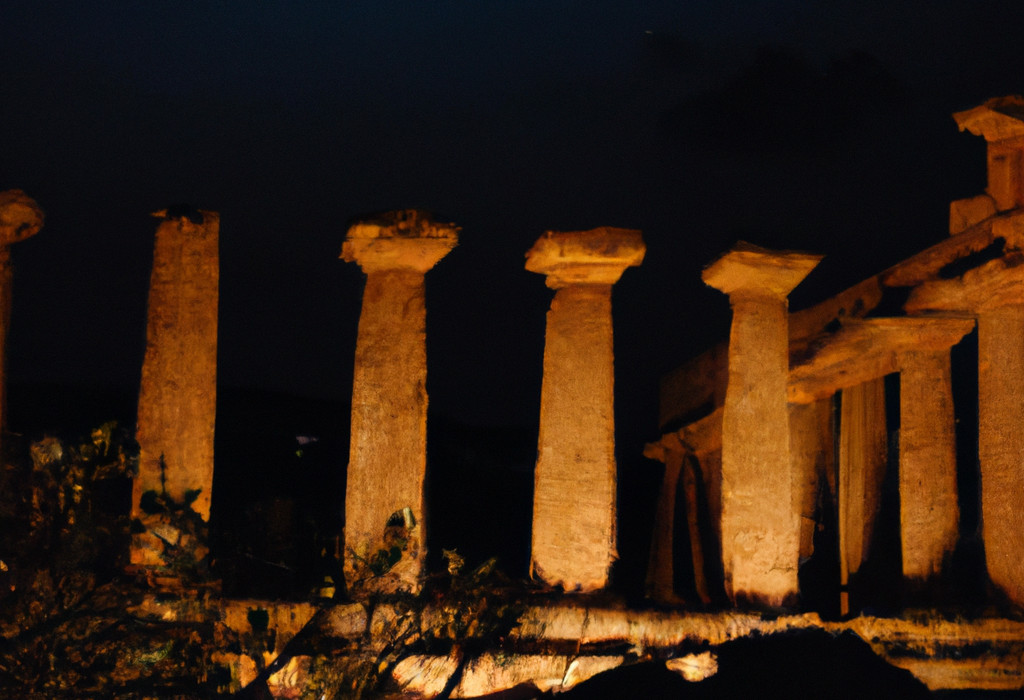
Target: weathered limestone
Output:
[(865, 350), (573, 542), (1001, 444), (994, 293), (20, 218), (1001, 121), (384, 501), (863, 455), (660, 583), (929, 512), (178, 390), (812, 458), (760, 526)]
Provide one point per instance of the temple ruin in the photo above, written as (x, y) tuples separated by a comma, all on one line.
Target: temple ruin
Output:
[(842, 349), (826, 417)]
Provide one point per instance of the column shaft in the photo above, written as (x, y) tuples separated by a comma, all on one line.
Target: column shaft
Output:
[(929, 512), (660, 570), (388, 444), (811, 446), (178, 389), (760, 528), (574, 484), (1001, 445), (863, 454)]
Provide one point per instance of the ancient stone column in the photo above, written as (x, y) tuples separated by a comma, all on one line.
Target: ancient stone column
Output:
[(929, 512), (178, 390), (863, 455), (812, 459), (1001, 444), (20, 218), (574, 484), (385, 534), (760, 525), (660, 583)]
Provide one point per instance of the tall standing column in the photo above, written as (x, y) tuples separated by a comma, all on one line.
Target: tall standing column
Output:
[(929, 512), (385, 536), (1001, 444), (812, 458), (574, 484), (863, 455), (178, 390), (760, 525), (20, 218)]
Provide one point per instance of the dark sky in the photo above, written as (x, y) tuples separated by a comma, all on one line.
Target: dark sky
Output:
[(777, 122)]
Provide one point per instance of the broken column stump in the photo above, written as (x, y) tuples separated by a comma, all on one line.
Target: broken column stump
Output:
[(573, 542), (20, 218), (385, 536), (178, 390), (760, 523)]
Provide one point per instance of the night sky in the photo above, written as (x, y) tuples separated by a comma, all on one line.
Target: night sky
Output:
[(700, 123)]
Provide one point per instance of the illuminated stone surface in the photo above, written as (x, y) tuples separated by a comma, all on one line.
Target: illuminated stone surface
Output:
[(760, 527), (20, 218), (929, 512), (994, 293), (1001, 121), (178, 390), (660, 570), (573, 542), (863, 456), (388, 448), (1001, 445), (812, 460)]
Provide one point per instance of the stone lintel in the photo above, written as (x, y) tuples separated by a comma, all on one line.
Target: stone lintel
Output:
[(866, 349), (704, 435), (998, 119), (927, 264), (597, 256), (407, 239), (752, 268), (996, 283), (20, 217), (699, 437), (660, 450), (689, 388)]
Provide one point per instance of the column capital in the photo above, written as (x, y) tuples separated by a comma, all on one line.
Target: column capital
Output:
[(597, 256), (20, 217), (407, 239), (1001, 122), (998, 119), (748, 267)]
